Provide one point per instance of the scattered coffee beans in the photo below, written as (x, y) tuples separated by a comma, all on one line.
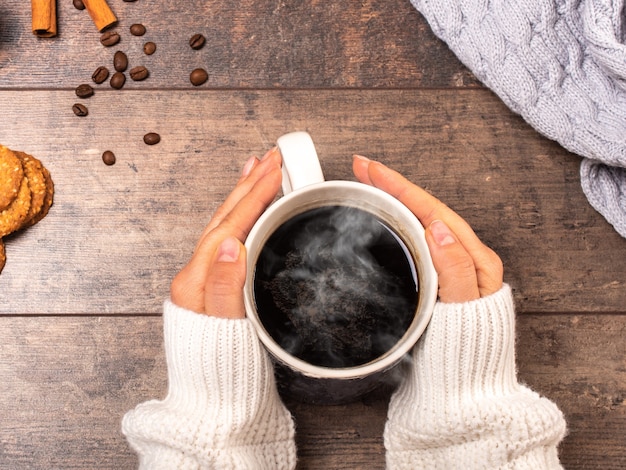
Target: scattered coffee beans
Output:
[(108, 158), (110, 38), (120, 61), (137, 29), (80, 110), (117, 80), (79, 5), (100, 75), (139, 73), (197, 41), (149, 48), (198, 77), (152, 138), (84, 91)]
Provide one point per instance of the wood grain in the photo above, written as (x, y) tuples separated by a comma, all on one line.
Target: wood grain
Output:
[(81, 294), (66, 382), (250, 44), (117, 235)]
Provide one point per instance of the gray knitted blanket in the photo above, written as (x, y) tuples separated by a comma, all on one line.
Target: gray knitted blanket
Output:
[(561, 65)]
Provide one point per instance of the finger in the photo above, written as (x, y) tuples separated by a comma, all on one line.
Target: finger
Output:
[(455, 267), (248, 167), (427, 208), (245, 213), (223, 292), (360, 165), (239, 221), (187, 289), (253, 171)]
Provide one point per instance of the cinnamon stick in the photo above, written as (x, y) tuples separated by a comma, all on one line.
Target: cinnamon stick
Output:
[(44, 20), (100, 13)]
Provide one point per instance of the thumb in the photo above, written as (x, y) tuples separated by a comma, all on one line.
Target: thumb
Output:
[(223, 292), (454, 265)]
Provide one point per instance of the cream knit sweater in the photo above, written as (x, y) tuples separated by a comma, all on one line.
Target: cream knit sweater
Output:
[(460, 405)]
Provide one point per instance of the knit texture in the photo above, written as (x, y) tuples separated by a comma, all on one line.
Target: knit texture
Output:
[(461, 405), (222, 409), (561, 65)]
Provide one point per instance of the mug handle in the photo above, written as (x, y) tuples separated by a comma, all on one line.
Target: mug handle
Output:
[(301, 166)]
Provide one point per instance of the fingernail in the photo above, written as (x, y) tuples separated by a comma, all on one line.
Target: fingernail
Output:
[(269, 153), (362, 158), (228, 251), (441, 233), (249, 166)]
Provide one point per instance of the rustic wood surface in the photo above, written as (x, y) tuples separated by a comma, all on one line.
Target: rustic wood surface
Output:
[(80, 296)]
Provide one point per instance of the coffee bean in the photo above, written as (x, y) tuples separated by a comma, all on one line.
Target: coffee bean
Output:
[(198, 77), (80, 110), (117, 80), (84, 91), (139, 73), (79, 5), (100, 75), (108, 158), (120, 61), (137, 29), (152, 138), (110, 38), (149, 48), (197, 41)]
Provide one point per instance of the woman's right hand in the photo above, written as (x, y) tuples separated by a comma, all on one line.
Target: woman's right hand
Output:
[(467, 269)]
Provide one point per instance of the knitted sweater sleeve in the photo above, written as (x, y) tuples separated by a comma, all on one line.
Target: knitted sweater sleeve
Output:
[(222, 409), (461, 406)]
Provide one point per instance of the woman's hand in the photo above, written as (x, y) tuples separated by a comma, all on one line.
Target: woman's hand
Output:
[(467, 268), (212, 282)]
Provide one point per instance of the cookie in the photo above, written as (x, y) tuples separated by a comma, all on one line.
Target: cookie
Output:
[(12, 218), (11, 175), (27, 193), (3, 255), (33, 170), (47, 200)]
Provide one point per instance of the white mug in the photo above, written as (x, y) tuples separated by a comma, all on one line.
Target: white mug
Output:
[(304, 188)]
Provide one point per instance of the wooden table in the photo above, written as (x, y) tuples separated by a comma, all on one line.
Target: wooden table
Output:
[(81, 294)]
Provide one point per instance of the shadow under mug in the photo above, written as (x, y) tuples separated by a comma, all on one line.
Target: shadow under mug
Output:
[(304, 189)]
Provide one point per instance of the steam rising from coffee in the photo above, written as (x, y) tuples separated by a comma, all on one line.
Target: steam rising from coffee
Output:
[(335, 286)]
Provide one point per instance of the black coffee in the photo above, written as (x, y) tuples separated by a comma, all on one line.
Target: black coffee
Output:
[(335, 287)]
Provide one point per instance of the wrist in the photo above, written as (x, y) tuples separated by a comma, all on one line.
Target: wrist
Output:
[(207, 356), (468, 348)]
